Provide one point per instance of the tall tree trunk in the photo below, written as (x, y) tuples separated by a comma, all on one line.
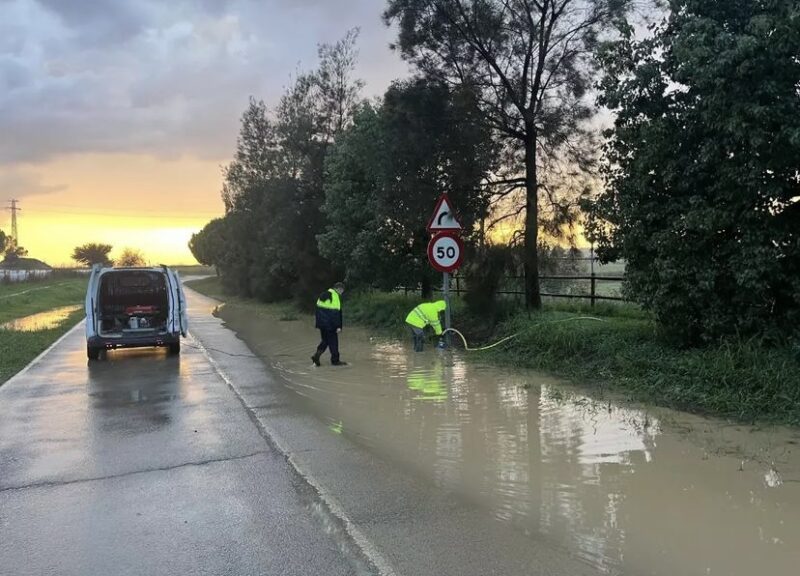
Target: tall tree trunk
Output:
[(533, 297), (426, 287)]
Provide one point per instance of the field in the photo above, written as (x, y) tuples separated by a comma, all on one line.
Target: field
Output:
[(17, 301)]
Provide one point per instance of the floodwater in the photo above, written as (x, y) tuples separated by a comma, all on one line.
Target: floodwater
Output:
[(629, 489), (41, 321)]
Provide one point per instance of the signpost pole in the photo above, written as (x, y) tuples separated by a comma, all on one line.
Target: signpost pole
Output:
[(446, 292)]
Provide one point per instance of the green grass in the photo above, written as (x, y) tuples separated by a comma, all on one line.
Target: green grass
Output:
[(26, 298), (198, 270), (622, 354), (17, 349)]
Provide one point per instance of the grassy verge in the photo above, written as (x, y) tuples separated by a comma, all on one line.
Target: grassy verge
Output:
[(198, 270), (623, 353), (23, 299), (210, 287), (17, 349)]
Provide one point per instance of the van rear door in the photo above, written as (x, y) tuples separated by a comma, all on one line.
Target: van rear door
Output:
[(91, 301), (179, 298)]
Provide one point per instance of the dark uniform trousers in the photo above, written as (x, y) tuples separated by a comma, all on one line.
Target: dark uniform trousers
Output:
[(330, 339)]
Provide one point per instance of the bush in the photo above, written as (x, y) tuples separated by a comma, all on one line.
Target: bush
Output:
[(484, 276)]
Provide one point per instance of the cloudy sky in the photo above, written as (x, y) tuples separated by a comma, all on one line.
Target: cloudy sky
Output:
[(116, 115)]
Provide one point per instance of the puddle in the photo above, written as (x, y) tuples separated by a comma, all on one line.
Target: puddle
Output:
[(41, 321), (630, 490)]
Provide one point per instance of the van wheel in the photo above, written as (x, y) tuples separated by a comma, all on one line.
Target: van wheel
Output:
[(174, 348), (93, 352)]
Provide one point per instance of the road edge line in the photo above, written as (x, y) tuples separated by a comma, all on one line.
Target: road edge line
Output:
[(32, 364), (358, 537)]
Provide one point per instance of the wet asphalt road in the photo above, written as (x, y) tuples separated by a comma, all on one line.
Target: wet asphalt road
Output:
[(206, 464), (146, 464)]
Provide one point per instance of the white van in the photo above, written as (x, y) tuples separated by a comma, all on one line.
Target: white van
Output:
[(134, 307)]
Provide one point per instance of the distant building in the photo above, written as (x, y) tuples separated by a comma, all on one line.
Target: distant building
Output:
[(22, 269)]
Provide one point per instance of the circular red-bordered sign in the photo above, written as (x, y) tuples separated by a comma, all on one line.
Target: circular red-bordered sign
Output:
[(446, 252)]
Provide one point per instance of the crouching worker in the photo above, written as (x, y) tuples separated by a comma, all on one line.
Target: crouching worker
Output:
[(426, 314), (329, 322)]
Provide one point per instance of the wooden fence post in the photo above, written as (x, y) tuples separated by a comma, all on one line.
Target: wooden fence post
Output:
[(594, 282)]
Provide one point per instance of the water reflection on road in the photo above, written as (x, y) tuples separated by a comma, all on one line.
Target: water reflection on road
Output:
[(631, 490)]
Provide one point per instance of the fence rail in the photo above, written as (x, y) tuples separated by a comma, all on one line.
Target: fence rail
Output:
[(592, 296)]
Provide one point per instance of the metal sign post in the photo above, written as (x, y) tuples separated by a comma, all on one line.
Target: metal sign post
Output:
[(446, 292)]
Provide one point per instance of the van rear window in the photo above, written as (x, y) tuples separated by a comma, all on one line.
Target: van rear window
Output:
[(134, 280)]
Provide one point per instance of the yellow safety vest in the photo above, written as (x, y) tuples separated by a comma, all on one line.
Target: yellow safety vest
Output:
[(427, 314), (333, 304)]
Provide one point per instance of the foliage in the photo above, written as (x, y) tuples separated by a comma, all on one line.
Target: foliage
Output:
[(208, 246), (273, 189), (385, 172), (13, 252), (8, 250), (93, 253), (484, 277), (131, 257), (703, 188), (530, 65)]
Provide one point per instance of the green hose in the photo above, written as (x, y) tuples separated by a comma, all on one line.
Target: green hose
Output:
[(507, 338)]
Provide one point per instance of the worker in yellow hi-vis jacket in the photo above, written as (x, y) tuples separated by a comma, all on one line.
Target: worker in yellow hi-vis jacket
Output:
[(426, 314)]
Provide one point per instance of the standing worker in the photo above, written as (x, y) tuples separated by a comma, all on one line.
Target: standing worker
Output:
[(426, 314), (329, 322)]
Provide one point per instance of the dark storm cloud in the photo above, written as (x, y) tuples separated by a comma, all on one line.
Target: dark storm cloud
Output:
[(167, 78)]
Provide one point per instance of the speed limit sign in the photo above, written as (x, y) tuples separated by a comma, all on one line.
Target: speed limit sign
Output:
[(445, 252)]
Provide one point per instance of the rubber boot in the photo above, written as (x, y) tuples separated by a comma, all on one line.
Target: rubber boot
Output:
[(338, 363), (315, 359), (419, 343)]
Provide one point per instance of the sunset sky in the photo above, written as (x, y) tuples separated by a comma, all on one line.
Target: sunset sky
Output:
[(116, 116)]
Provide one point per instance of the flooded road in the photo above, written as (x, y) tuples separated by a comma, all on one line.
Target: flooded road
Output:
[(629, 490), (41, 321)]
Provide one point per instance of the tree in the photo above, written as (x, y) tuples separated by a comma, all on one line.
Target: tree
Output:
[(13, 252), (8, 250), (131, 258), (702, 172), (275, 183), (530, 64), (93, 253), (207, 246), (384, 174)]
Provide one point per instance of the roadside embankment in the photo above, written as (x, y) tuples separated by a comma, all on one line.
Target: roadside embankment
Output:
[(20, 301), (622, 353)]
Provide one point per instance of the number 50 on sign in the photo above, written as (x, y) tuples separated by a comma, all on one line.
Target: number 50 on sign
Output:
[(445, 252)]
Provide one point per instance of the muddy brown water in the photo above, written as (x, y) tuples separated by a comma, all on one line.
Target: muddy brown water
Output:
[(41, 321), (630, 489)]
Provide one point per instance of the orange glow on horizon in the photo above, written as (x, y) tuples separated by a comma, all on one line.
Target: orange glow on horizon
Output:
[(129, 201)]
